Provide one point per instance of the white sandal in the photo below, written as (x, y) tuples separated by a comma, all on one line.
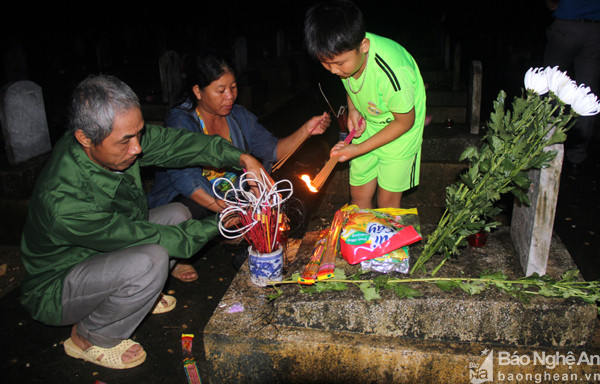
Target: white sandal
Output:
[(164, 304), (111, 357)]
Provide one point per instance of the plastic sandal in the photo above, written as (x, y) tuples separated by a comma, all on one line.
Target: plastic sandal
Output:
[(111, 357), (162, 307)]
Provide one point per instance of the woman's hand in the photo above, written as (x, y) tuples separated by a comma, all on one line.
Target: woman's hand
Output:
[(318, 124)]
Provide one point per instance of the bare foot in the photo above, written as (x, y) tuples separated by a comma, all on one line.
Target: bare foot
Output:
[(132, 354)]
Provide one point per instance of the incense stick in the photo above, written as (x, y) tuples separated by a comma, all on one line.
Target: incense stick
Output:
[(297, 145), (330, 107), (284, 158), (331, 163)]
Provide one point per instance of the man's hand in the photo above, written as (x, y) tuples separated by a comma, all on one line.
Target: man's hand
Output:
[(251, 164)]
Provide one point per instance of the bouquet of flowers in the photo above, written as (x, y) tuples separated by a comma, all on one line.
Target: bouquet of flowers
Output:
[(513, 144)]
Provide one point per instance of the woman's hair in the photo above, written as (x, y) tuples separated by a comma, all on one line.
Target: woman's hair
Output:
[(94, 104), (332, 28), (203, 68)]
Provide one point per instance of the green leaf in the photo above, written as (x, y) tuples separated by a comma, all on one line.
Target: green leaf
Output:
[(473, 172), (309, 289), (544, 291), (466, 178), (273, 296), (570, 275), (508, 166), (496, 143), (522, 180), (324, 286), (447, 286), (404, 291), (469, 154), (521, 196), (338, 274), (557, 137), (369, 291), (473, 288)]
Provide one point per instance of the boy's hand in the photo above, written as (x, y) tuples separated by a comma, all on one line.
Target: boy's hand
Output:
[(344, 151), (356, 122)]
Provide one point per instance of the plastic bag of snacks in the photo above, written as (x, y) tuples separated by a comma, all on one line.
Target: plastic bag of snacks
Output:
[(395, 261), (374, 233)]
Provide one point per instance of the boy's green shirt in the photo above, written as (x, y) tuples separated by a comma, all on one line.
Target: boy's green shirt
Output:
[(79, 209), (393, 83)]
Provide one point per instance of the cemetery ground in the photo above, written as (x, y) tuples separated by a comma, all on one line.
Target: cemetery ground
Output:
[(33, 353)]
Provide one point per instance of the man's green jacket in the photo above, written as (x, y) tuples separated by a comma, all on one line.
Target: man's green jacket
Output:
[(79, 209)]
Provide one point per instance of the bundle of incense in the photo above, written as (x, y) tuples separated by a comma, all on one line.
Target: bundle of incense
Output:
[(297, 145), (189, 363), (284, 158), (327, 266), (309, 276), (331, 163)]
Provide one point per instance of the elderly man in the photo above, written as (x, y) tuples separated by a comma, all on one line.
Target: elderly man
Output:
[(95, 257)]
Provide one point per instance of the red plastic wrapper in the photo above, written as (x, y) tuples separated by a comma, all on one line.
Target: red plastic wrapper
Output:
[(371, 233)]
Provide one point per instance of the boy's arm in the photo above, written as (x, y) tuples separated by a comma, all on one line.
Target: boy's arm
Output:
[(401, 124), (353, 118)]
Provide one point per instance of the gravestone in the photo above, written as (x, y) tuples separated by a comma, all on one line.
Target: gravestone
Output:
[(475, 89), (103, 53), (531, 226), (170, 76), (280, 38), (241, 53), (15, 61), (23, 120)]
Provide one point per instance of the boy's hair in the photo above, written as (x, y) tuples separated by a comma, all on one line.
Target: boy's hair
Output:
[(332, 28)]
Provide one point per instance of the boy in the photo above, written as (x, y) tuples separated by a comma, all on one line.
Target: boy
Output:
[(386, 102)]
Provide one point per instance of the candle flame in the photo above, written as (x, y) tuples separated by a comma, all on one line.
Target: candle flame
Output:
[(308, 182)]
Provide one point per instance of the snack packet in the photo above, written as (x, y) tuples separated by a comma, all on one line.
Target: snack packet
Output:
[(371, 233), (395, 261)]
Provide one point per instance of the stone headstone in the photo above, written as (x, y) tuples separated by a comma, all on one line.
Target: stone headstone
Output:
[(475, 89), (23, 120), (241, 53), (280, 38), (15, 61), (456, 67), (170, 76), (531, 226), (103, 53)]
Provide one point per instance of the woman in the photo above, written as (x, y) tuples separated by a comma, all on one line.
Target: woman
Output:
[(210, 109)]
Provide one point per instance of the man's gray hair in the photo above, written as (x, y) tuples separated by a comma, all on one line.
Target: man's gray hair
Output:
[(95, 103)]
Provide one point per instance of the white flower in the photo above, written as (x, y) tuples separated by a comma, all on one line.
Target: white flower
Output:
[(585, 103), (536, 80), (567, 92), (556, 79)]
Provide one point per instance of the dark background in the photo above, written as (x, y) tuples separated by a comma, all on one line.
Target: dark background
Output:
[(59, 41)]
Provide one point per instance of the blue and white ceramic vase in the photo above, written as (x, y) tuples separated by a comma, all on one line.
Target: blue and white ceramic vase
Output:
[(265, 267)]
